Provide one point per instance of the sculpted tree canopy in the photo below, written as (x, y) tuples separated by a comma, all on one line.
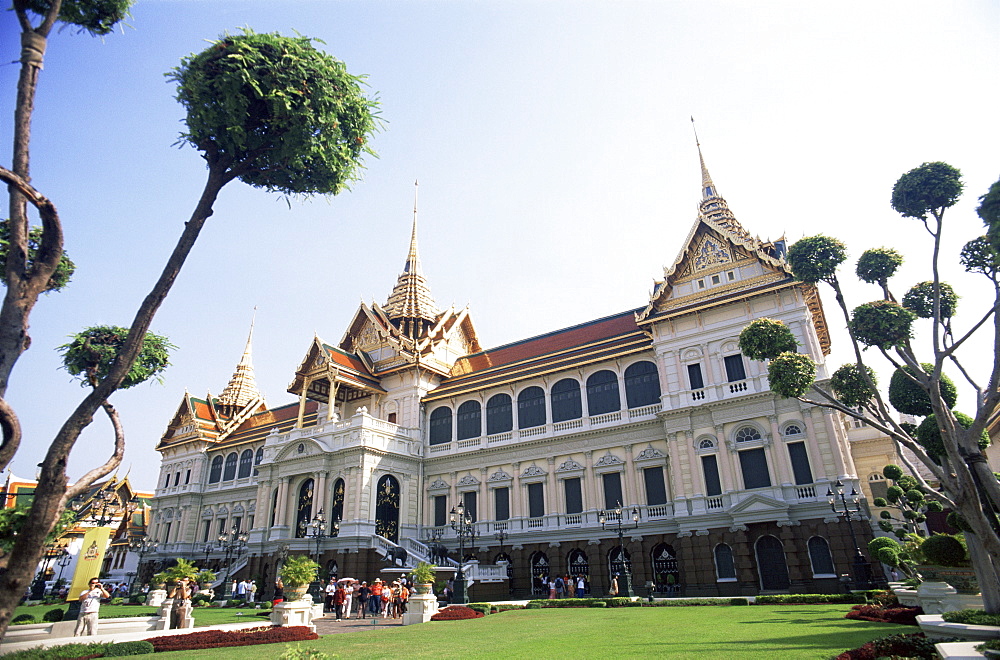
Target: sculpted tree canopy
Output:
[(948, 443), (64, 270), (278, 113), (272, 111)]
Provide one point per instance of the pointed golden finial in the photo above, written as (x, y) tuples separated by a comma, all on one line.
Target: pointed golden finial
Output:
[(707, 187)]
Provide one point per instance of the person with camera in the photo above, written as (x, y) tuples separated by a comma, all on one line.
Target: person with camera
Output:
[(90, 604)]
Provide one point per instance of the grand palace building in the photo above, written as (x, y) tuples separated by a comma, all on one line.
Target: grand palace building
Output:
[(722, 484)]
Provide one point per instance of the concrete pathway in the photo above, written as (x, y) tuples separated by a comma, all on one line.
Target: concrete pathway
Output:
[(328, 625)]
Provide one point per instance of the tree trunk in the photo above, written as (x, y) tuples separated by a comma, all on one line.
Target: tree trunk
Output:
[(986, 573), (51, 490)]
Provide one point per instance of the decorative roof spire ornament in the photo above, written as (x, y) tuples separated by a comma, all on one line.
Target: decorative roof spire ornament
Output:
[(410, 305), (713, 207), (242, 387)]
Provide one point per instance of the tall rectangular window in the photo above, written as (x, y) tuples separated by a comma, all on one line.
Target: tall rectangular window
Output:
[(208, 531), (710, 466), (187, 477), (695, 377), (800, 463), (250, 522), (177, 478), (222, 526), (753, 463), (574, 495), (501, 503), (237, 523), (536, 500), (469, 499), (612, 489), (734, 368), (656, 489), (440, 510)]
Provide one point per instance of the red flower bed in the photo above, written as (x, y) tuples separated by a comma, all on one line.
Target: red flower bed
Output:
[(906, 616), (209, 639), (456, 613), (907, 646)]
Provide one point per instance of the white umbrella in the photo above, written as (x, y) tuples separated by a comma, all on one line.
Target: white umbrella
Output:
[(346, 580)]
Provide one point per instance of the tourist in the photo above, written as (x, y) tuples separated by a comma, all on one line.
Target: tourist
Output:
[(570, 586), (363, 594), (614, 585), (581, 587), (404, 598), (90, 604), (252, 592), (181, 594), (560, 586), (375, 598), (330, 590), (339, 596), (348, 599), (279, 592), (552, 588)]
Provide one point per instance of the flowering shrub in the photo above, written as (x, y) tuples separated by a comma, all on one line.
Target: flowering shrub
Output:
[(456, 613), (905, 646), (906, 616), (208, 639)]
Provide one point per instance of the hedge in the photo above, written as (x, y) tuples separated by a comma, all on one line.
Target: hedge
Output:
[(208, 639), (906, 616), (139, 647), (813, 599), (457, 613)]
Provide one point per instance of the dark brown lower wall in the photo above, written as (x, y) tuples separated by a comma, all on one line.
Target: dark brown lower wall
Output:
[(695, 561)]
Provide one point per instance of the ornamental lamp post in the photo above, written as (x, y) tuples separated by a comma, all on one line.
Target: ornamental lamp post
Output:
[(64, 560), (317, 530), (234, 543), (502, 535), (861, 567), (142, 546), (605, 518), (464, 528)]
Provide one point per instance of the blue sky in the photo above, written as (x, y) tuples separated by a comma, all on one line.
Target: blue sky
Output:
[(552, 142)]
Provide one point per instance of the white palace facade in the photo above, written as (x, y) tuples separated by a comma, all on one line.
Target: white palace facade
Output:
[(655, 408)]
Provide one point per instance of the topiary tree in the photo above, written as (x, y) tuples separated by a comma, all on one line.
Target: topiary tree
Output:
[(929, 435), (911, 504), (944, 550), (271, 111), (764, 339), (963, 479), (877, 265)]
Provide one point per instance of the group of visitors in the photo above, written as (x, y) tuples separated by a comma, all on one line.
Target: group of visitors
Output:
[(570, 586), (246, 590), (385, 599)]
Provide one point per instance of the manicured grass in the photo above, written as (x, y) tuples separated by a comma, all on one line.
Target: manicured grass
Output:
[(203, 616), (771, 632)]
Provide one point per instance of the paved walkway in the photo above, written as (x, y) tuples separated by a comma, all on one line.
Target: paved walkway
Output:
[(329, 625)]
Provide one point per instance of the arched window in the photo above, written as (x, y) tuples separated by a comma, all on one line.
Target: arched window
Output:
[(771, 564), (337, 504), (332, 570), (602, 393), (531, 408), (725, 567), (642, 385), (216, 472), (499, 418), (618, 564), (539, 574), (470, 420), (246, 463), (230, 471), (666, 577), (566, 400), (793, 429), (257, 458), (304, 509), (578, 563), (707, 443), (440, 426), (819, 555), (747, 434), (387, 498)]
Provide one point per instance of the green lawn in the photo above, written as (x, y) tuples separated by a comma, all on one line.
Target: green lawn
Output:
[(773, 632), (203, 616)]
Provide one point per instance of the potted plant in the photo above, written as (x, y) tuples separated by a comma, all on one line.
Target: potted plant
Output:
[(296, 574), (423, 577), (205, 579)]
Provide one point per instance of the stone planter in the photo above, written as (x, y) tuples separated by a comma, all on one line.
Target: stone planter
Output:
[(962, 578), (422, 587), (293, 594), (933, 625)]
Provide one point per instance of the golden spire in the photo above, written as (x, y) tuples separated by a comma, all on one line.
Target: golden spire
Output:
[(713, 207), (410, 304), (242, 387)]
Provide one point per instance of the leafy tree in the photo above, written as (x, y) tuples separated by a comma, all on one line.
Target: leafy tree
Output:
[(963, 478), (877, 265), (271, 111), (61, 276), (764, 339)]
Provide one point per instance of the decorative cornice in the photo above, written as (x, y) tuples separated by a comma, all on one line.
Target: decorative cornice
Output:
[(438, 484), (533, 471), (650, 453), (500, 475), (468, 480), (569, 466), (608, 459)]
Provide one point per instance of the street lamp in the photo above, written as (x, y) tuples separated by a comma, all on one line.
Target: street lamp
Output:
[(501, 535), (106, 507), (234, 543), (862, 569), (316, 529), (142, 546), (38, 586), (64, 560), (619, 527), (464, 528)]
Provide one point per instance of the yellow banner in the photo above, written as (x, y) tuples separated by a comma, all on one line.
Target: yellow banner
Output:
[(88, 564)]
